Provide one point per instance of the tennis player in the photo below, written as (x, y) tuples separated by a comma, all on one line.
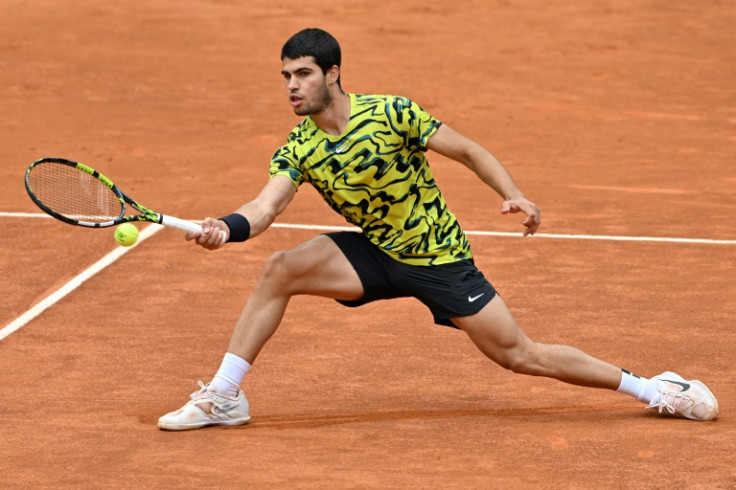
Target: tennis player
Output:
[(366, 156)]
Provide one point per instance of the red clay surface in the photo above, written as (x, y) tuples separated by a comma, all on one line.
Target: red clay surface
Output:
[(617, 118)]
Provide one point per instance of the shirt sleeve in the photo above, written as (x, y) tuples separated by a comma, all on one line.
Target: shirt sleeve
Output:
[(413, 123), (285, 162)]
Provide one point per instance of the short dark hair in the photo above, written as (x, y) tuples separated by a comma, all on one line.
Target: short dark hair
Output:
[(318, 44)]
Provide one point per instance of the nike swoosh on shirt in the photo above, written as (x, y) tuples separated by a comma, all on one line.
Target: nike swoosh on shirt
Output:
[(473, 298)]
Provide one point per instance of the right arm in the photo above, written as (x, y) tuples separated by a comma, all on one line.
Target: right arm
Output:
[(260, 213), (448, 142)]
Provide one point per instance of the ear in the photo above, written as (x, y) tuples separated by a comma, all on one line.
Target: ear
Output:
[(333, 74)]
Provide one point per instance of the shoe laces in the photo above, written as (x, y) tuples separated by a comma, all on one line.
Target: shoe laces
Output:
[(671, 401), (217, 401), (201, 392)]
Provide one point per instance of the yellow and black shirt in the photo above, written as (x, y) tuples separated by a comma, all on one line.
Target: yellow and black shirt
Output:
[(377, 177)]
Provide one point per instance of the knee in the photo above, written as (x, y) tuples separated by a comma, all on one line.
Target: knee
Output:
[(525, 361), (277, 269)]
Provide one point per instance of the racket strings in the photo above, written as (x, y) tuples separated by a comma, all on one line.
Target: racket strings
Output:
[(74, 193)]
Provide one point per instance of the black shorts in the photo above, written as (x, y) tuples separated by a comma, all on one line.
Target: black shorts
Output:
[(449, 291)]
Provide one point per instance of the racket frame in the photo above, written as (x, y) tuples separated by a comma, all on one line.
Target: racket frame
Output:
[(146, 214)]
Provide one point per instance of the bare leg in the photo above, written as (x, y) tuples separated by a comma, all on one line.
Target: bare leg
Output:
[(495, 332), (317, 267)]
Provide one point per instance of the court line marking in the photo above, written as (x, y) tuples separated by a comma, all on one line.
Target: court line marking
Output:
[(150, 230), (75, 282), (622, 238), (615, 238)]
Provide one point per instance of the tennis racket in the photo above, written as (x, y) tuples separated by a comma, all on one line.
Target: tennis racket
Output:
[(79, 195)]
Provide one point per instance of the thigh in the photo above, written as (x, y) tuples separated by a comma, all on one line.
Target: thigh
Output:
[(317, 267), (374, 268), (495, 331)]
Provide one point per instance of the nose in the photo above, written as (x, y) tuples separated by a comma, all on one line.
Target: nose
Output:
[(291, 84)]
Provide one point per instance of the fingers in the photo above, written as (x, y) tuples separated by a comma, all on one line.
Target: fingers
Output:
[(193, 235), (508, 207), (212, 235), (532, 225), (533, 213)]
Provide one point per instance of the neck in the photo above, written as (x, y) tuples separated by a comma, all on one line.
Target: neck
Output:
[(335, 117)]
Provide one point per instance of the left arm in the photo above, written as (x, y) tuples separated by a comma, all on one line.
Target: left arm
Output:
[(451, 144)]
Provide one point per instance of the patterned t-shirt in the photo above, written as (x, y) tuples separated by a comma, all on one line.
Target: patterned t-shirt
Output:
[(377, 177)]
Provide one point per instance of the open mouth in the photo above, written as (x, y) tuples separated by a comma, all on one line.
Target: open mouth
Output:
[(295, 100)]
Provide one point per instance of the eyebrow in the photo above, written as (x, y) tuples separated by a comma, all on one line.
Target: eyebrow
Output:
[(303, 68)]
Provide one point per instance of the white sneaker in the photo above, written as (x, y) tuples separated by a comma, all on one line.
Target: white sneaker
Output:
[(680, 398), (207, 408)]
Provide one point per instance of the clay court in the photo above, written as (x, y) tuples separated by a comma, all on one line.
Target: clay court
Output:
[(618, 118)]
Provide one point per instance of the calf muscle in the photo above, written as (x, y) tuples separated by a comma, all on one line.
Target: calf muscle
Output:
[(495, 332)]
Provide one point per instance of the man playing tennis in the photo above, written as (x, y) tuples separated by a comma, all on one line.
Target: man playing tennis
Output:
[(365, 155)]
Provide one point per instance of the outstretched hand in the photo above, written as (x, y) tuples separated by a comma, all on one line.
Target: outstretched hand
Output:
[(533, 213), (213, 235)]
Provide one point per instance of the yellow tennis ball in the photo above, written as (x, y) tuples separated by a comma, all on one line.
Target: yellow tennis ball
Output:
[(126, 234)]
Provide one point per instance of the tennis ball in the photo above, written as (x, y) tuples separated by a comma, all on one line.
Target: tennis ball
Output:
[(126, 234)]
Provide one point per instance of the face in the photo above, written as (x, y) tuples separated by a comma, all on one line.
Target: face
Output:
[(307, 85)]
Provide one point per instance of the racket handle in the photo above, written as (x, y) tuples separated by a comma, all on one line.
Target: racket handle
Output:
[(179, 224)]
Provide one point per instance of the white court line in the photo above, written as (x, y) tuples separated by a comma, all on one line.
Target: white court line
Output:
[(614, 238), (151, 229), (4, 214), (75, 282), (538, 235)]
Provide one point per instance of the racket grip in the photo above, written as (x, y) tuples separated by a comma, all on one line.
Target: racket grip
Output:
[(179, 224)]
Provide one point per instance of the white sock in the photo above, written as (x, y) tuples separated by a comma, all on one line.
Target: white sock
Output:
[(642, 389), (231, 373)]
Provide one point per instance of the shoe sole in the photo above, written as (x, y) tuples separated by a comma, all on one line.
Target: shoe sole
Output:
[(180, 427)]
